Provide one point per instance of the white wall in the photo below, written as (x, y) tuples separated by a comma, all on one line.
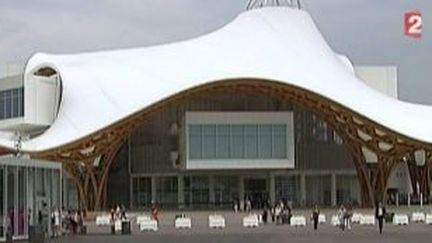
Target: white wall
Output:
[(40, 100), (11, 82), (41, 96), (381, 78)]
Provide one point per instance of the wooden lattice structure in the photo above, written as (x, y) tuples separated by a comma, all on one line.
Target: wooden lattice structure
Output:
[(88, 160)]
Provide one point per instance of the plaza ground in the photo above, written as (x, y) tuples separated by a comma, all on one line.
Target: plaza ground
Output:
[(235, 232), (269, 233)]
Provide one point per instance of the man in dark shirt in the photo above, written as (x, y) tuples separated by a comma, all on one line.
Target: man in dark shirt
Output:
[(380, 212)]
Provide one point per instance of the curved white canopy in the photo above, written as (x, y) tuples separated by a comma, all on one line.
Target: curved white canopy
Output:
[(275, 43)]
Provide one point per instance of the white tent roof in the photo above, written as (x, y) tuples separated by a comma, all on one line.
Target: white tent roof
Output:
[(274, 43)]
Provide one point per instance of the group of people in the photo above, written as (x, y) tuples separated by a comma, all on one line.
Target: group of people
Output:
[(280, 213), (345, 216), (242, 205), (118, 212), (72, 222)]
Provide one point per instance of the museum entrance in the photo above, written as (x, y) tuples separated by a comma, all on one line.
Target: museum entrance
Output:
[(256, 190)]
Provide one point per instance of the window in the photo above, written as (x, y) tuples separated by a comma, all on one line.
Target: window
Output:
[(223, 141), (237, 138), (209, 141), (166, 191), (11, 103), (195, 141), (251, 141), (141, 188), (237, 141), (279, 141), (319, 129)]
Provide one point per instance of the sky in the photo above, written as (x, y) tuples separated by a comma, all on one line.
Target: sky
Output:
[(369, 32)]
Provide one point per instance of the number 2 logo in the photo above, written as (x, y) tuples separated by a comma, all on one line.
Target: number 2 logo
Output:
[(413, 24)]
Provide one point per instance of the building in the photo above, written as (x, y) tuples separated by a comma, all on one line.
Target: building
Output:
[(27, 185), (260, 109)]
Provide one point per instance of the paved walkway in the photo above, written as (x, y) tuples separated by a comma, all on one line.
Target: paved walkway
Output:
[(236, 233), (200, 218), (417, 233)]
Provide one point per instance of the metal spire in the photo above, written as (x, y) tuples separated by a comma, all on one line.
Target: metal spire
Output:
[(263, 3)]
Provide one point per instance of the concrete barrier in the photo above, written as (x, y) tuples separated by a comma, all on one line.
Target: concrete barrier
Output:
[(298, 221), (103, 220), (428, 219), (142, 218), (251, 221), (400, 219), (356, 218), (335, 220), (146, 223), (183, 223), (418, 217), (322, 219), (118, 226), (367, 219), (216, 221)]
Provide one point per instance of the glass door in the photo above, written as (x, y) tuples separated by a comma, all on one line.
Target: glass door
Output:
[(256, 191)]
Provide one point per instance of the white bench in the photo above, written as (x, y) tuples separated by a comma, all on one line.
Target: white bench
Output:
[(428, 219), (298, 221), (322, 219), (367, 219), (216, 221), (418, 217), (103, 220), (356, 218), (183, 223), (335, 220), (146, 223), (400, 219), (251, 221)]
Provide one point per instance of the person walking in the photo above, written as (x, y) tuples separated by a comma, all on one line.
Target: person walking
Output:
[(315, 216), (278, 211), (56, 222), (265, 215), (154, 212), (380, 212), (341, 217), (348, 216), (123, 212), (248, 205)]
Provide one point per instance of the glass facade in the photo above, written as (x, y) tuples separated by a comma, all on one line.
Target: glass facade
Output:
[(237, 141), (12, 103), (287, 189), (196, 191), (347, 190), (223, 139), (26, 192), (141, 187), (318, 188), (226, 190), (166, 191)]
